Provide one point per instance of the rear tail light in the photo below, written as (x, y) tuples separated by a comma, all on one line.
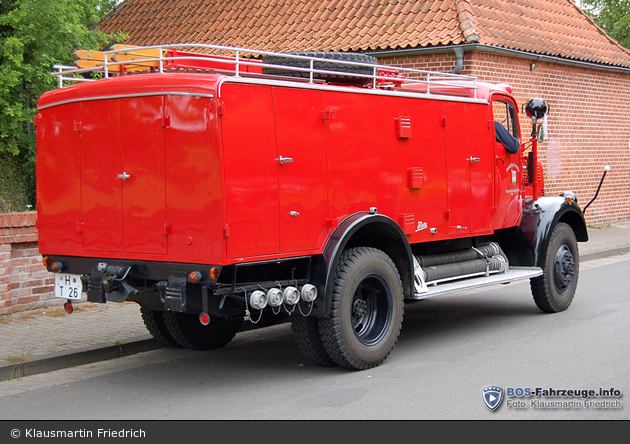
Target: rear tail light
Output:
[(194, 277), (56, 267), (204, 319), (68, 307)]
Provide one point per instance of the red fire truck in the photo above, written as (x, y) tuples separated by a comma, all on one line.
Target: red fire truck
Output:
[(216, 185)]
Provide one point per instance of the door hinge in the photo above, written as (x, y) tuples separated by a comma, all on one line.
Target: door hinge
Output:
[(220, 109), (80, 226), (167, 229), (78, 126), (166, 121), (226, 231)]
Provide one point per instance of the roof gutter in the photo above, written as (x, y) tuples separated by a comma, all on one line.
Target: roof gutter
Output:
[(500, 51)]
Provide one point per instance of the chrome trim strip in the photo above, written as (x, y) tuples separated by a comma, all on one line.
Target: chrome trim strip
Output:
[(126, 96)]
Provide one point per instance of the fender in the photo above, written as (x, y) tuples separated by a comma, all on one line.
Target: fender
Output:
[(528, 245), (361, 230)]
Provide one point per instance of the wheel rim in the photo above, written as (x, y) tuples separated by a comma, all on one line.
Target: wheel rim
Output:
[(564, 268), (371, 310)]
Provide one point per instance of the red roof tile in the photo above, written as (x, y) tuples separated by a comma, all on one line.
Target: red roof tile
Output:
[(548, 27)]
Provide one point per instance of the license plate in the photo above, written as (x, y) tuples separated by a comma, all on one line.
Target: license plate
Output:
[(68, 286)]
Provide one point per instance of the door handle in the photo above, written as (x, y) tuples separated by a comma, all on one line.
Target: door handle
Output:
[(124, 176), (285, 159), (473, 159)]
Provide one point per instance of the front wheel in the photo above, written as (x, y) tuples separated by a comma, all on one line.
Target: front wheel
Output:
[(367, 310), (554, 290)]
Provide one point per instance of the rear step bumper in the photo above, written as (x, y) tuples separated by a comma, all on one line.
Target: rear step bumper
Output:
[(511, 275)]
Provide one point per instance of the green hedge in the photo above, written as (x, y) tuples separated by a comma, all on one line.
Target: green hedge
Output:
[(17, 184)]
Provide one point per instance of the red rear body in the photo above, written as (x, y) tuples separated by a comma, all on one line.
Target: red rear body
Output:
[(187, 167)]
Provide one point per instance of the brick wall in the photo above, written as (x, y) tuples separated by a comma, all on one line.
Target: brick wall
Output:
[(588, 122), (24, 282)]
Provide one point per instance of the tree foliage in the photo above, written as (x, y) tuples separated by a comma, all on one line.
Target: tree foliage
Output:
[(612, 15), (34, 35)]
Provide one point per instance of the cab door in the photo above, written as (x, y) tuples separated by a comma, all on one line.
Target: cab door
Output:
[(506, 144)]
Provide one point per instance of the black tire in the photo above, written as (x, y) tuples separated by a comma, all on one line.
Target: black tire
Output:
[(154, 322), (329, 66), (190, 333), (367, 310), (306, 335), (554, 290)]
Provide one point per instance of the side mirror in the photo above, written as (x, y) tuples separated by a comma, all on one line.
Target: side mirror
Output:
[(536, 109)]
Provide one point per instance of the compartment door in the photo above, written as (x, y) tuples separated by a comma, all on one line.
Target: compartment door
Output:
[(457, 168), (101, 189), (144, 191), (481, 169), (123, 175), (251, 171), (302, 180)]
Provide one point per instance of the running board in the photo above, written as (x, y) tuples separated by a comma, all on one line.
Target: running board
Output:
[(511, 275)]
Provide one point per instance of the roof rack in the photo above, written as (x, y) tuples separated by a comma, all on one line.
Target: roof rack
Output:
[(126, 59)]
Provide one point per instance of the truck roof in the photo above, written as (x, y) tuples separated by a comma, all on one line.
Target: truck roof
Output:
[(166, 69)]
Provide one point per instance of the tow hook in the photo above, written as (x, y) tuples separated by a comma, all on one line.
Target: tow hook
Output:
[(107, 283)]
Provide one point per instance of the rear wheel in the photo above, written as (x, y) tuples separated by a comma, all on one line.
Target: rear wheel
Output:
[(554, 290), (306, 335), (190, 333), (367, 310), (154, 322)]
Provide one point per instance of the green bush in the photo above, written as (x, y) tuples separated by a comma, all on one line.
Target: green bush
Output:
[(34, 35), (17, 184)]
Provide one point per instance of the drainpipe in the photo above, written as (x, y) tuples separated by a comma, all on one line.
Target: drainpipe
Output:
[(459, 54), (468, 28)]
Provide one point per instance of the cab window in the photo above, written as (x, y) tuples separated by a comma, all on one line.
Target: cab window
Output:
[(506, 125)]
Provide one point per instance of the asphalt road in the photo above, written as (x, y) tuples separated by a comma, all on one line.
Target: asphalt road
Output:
[(450, 348)]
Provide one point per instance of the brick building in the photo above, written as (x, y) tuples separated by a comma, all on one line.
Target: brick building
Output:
[(542, 48)]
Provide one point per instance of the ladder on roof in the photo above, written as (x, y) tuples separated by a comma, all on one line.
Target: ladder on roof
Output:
[(123, 59)]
